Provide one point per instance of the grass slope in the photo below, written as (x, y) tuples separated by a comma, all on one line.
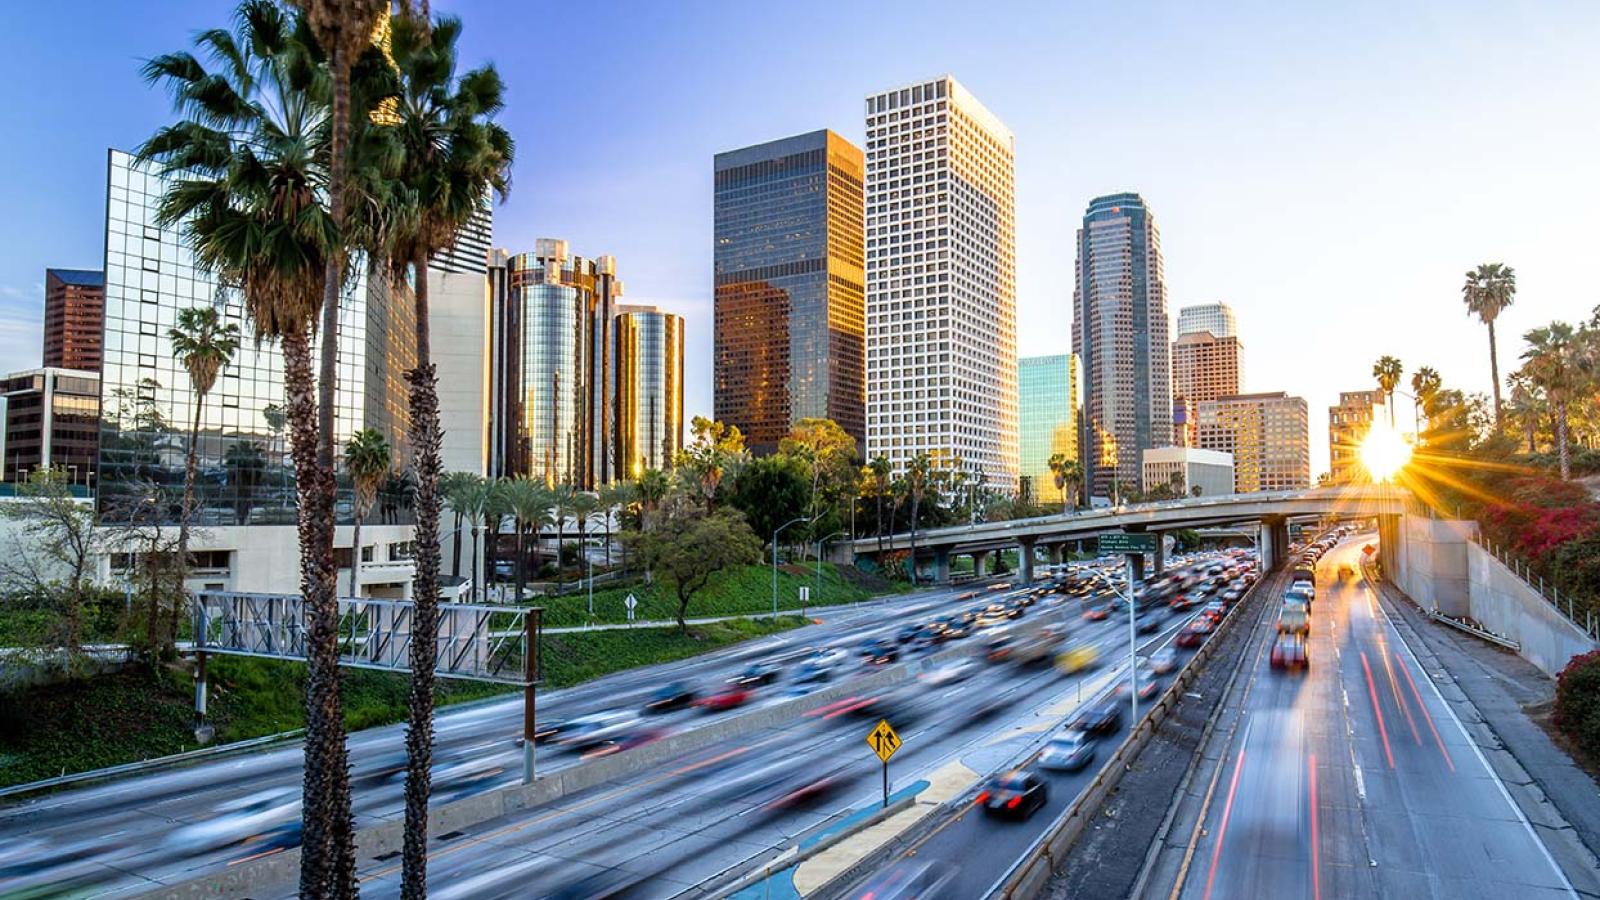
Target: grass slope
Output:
[(741, 591)]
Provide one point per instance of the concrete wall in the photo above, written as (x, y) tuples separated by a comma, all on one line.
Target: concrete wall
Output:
[(1440, 567), (1506, 605)]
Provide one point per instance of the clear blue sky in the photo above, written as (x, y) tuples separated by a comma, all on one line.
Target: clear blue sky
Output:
[(1329, 171)]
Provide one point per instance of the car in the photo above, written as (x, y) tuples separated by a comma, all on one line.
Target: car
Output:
[(1102, 717), (734, 695), (668, 697), (956, 630), (882, 653), (910, 879), (967, 596), (1289, 652), (1298, 594), (1096, 613), (907, 633), (1294, 619), (1149, 686), (828, 656), (238, 819), (1016, 795), (1214, 611), (758, 673), (958, 671), (1147, 623), (1076, 659), (811, 673), (1067, 752), (1194, 634), (595, 729), (1163, 661)]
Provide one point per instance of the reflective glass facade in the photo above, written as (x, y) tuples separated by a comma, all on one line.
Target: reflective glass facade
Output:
[(1121, 334), (790, 315), (553, 368), (246, 476), (1047, 414), (649, 354)]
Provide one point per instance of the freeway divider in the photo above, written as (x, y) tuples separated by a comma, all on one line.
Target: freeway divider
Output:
[(1029, 876), (383, 835)]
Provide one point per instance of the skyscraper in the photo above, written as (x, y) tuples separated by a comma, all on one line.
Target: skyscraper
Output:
[(941, 280), (1047, 405), (1216, 318), (74, 318), (1120, 332), (790, 321), (552, 364), (1205, 367), (649, 353), (1348, 424), (1268, 435)]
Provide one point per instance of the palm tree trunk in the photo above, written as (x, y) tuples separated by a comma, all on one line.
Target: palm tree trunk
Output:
[(425, 629), (477, 564), (191, 468), (915, 502), (522, 575), (880, 526), (455, 548), (1562, 452), (333, 277), (327, 861), (1494, 372), (561, 522), (355, 556)]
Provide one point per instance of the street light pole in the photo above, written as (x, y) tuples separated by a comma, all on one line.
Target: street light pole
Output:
[(775, 533), (819, 558), (1133, 649)]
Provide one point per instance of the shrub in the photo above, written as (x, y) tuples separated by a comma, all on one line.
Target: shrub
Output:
[(1577, 713)]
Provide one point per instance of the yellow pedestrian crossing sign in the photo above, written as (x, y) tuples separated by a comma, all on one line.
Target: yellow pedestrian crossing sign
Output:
[(883, 740)]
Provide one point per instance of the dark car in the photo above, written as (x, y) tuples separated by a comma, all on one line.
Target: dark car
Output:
[(882, 652), (910, 879), (907, 633), (1104, 717), (758, 673), (1014, 795), (668, 697), (1147, 623)]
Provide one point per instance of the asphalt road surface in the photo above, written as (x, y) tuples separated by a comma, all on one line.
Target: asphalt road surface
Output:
[(1353, 779)]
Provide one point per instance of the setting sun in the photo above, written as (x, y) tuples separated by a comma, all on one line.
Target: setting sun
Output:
[(1384, 452)]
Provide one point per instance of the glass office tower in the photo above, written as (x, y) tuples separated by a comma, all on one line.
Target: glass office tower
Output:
[(649, 360), (1047, 416), (147, 407), (790, 313)]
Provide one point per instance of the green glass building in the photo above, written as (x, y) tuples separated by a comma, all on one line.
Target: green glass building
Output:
[(1047, 404)]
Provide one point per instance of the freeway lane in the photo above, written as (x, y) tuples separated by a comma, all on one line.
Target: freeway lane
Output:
[(1354, 779), (114, 833)]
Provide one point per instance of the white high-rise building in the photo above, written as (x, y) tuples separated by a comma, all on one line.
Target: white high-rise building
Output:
[(1216, 318), (941, 281)]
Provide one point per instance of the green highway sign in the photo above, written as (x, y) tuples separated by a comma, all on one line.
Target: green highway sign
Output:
[(1127, 542)]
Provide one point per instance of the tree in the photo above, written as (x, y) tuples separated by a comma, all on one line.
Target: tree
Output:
[(453, 157), (612, 500), (714, 449), (204, 345), (652, 489), (691, 546), (455, 489), (829, 453), (584, 506), (1069, 479), (561, 498), (467, 493), (881, 469), (771, 491), (528, 503), (1487, 291), (1425, 385), (1525, 405), (1558, 361), (54, 550), (246, 177), (1388, 371), (367, 459), (246, 463), (916, 484)]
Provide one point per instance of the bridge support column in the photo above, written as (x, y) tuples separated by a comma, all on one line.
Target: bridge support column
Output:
[(941, 566), (1274, 542), (979, 557), (1160, 555), (1389, 547), (1025, 560), (1055, 554)]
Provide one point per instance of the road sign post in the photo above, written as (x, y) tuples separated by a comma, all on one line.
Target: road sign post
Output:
[(885, 743), (631, 602), (1130, 544)]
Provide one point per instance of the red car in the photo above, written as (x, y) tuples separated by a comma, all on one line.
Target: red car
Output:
[(1289, 652), (1195, 633), (728, 698), (1096, 613)]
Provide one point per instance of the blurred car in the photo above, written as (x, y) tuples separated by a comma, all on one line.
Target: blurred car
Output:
[(1076, 659), (1147, 622), (635, 738), (1289, 652), (758, 673), (882, 653), (1015, 795), (829, 656), (967, 596), (668, 697), (1215, 611), (729, 697), (238, 819), (957, 630), (594, 729), (1194, 634), (1067, 752), (1294, 619), (954, 673), (1163, 661), (910, 879), (812, 673), (1102, 717), (907, 633), (1096, 613)]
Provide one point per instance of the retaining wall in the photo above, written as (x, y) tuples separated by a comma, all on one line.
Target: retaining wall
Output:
[(1506, 605)]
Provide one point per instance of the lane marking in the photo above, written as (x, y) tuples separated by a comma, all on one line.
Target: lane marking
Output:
[(1316, 856), (1227, 812), (1372, 690), (1425, 714)]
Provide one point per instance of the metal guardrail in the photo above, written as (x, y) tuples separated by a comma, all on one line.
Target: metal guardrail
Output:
[(1584, 620), (147, 765)]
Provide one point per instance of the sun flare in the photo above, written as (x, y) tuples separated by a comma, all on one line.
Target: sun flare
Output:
[(1384, 452)]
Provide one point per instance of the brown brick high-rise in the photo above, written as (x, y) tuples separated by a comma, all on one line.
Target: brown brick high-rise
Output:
[(74, 318)]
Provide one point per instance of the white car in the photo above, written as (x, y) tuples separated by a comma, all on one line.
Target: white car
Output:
[(597, 728), (956, 672), (238, 819)]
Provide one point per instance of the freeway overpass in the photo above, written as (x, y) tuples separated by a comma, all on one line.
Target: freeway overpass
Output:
[(933, 548)]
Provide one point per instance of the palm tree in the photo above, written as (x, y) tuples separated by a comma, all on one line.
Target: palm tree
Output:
[(1525, 405), (1425, 384), (612, 499), (454, 489), (1558, 362), (584, 506), (1487, 291), (1388, 371), (881, 469), (204, 345), (916, 482), (453, 156), (529, 505), (652, 489), (367, 458), (562, 497), (245, 182), (1068, 475)]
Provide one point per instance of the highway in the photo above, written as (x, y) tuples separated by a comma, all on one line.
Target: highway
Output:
[(118, 835), (1354, 779)]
